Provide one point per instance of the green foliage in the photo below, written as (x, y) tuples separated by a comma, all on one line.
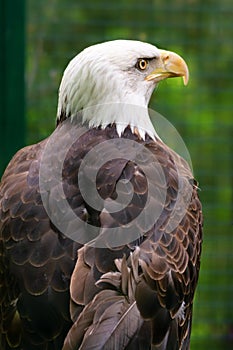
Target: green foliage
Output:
[(200, 31)]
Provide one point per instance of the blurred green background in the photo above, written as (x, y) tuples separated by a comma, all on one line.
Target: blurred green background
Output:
[(201, 31)]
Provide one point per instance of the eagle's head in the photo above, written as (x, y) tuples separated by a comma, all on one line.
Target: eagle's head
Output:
[(112, 82)]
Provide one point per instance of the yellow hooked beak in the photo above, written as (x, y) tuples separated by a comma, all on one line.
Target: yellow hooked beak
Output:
[(170, 65)]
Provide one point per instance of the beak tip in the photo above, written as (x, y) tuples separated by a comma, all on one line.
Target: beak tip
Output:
[(186, 74), (186, 79)]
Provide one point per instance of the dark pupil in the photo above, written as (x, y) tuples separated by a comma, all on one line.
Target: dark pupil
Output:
[(142, 64)]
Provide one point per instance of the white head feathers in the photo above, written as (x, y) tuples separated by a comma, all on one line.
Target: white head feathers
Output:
[(105, 84)]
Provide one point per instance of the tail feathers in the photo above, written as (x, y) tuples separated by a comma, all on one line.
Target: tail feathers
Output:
[(112, 318)]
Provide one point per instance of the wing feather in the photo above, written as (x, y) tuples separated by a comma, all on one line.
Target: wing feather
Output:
[(35, 260)]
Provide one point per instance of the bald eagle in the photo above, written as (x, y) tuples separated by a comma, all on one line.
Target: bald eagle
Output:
[(100, 223)]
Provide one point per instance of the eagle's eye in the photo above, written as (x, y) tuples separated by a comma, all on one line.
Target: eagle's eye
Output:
[(142, 64)]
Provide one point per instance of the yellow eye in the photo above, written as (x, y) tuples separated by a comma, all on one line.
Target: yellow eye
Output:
[(142, 64)]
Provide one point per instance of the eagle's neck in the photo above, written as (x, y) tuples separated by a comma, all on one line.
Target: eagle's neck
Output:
[(122, 116)]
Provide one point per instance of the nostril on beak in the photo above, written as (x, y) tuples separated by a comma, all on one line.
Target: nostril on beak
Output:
[(166, 58)]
